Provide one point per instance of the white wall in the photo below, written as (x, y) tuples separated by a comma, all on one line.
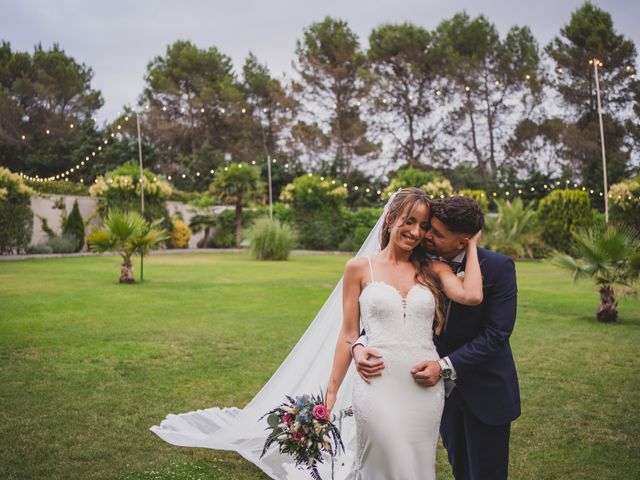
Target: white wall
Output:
[(43, 207)]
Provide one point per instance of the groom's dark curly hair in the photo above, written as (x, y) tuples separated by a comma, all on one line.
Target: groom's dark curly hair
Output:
[(459, 214)]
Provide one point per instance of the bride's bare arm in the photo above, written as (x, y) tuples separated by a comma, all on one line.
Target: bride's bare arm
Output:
[(351, 287), (467, 290)]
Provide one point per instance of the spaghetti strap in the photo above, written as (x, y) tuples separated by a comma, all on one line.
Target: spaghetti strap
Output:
[(370, 268)]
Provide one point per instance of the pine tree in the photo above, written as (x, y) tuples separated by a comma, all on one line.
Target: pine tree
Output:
[(74, 226)]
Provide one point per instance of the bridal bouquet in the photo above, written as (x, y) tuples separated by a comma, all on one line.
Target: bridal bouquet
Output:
[(301, 427)]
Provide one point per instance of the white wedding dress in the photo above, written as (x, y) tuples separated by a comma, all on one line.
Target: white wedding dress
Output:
[(408, 414), (397, 420)]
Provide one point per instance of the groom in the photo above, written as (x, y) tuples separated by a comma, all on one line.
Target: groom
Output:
[(481, 385)]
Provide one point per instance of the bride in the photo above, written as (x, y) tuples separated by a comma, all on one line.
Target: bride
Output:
[(391, 411), (398, 296)]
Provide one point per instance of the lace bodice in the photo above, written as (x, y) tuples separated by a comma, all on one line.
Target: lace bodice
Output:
[(395, 322)]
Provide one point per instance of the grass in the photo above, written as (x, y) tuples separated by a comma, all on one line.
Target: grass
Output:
[(87, 365)]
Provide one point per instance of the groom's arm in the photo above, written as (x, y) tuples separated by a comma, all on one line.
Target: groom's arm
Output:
[(362, 340), (499, 310)]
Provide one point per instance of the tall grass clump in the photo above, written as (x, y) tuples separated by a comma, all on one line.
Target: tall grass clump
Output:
[(271, 240)]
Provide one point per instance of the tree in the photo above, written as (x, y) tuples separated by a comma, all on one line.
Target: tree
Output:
[(127, 234), (202, 222), (493, 83), (405, 73), (332, 69), (590, 35), (271, 103), (610, 256), (192, 98), (238, 185), (73, 225), (46, 109)]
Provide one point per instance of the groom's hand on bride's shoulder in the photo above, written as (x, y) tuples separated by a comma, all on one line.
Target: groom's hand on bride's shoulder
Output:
[(368, 362), (426, 373)]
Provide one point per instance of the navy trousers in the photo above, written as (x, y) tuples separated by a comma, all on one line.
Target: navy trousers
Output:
[(476, 451)]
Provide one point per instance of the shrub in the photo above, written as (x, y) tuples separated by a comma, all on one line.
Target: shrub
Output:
[(513, 231), (40, 248), (479, 196), (410, 177), (180, 234), (560, 213), (357, 226), (625, 202), (281, 212), (184, 197), (56, 244), (440, 188), (16, 216), (60, 187), (270, 240), (73, 226), (63, 244), (317, 207), (120, 190)]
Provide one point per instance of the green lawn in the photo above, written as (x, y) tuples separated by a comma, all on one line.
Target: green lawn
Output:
[(87, 365)]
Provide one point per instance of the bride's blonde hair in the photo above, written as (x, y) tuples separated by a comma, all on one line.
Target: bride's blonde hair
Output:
[(421, 261)]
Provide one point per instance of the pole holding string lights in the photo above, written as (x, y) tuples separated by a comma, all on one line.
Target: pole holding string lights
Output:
[(595, 62)]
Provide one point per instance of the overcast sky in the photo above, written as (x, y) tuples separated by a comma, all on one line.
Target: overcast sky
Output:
[(118, 38)]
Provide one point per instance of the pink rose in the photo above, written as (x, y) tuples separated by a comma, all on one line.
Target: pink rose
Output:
[(320, 412), (297, 436), (286, 418)]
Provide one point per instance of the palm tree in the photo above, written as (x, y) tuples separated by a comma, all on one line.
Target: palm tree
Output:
[(608, 255), (513, 231), (238, 185), (127, 234), (203, 222)]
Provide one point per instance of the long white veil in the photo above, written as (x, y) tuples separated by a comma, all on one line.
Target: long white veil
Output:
[(305, 370)]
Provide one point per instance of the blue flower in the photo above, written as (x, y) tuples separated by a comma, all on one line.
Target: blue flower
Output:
[(302, 401), (303, 417)]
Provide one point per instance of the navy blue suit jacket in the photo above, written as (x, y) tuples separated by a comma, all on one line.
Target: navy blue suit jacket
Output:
[(476, 340)]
